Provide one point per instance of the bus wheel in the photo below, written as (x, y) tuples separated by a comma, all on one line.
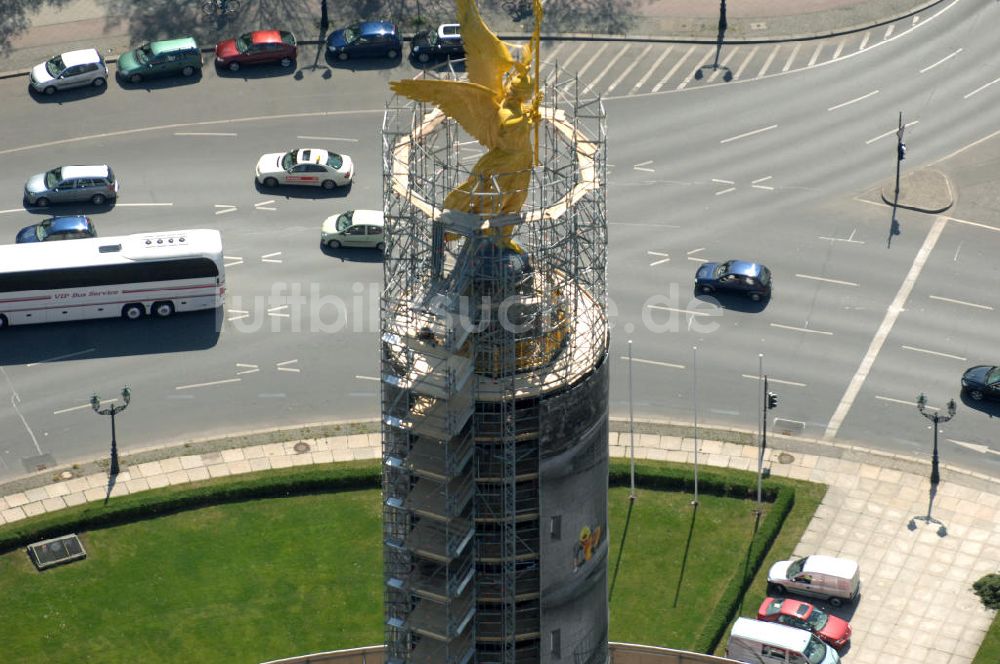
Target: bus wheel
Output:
[(163, 309), (3, 322), (133, 311)]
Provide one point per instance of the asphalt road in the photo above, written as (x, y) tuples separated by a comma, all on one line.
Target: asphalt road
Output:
[(778, 165)]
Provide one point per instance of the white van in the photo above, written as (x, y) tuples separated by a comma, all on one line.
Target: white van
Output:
[(826, 577), (758, 642)]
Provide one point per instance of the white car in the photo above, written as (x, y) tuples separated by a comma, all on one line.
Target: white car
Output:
[(354, 228), (70, 70), (305, 166)]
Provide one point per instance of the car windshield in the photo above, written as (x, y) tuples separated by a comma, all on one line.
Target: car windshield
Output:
[(289, 160), (52, 178), (350, 35), (993, 376), (344, 221), (765, 276), (815, 651), (796, 567), (42, 231), (243, 43), (723, 269), (817, 619), (334, 160), (55, 66), (143, 54)]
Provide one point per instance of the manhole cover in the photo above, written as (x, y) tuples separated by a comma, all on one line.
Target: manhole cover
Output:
[(66, 475), (301, 448), (785, 457)]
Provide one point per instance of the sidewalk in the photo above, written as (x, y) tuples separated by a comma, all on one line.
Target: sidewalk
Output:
[(916, 607)]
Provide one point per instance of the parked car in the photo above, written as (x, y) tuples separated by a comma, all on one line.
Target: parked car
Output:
[(445, 42), (982, 382), (756, 642), (742, 277), (369, 39), (833, 579), (255, 48), (70, 70), (57, 228), (354, 228), (72, 184), (305, 166), (803, 615), (168, 57)]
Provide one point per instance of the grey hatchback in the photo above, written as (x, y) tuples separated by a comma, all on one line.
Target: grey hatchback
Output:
[(72, 184)]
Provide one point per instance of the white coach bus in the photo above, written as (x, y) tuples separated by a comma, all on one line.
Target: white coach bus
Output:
[(103, 277)]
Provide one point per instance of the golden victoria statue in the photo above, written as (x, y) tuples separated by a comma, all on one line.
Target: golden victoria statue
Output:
[(498, 106)]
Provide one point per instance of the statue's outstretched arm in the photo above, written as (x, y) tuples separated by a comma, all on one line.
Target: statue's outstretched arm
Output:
[(472, 106)]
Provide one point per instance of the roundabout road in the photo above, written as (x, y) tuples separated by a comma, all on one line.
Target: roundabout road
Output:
[(782, 168)]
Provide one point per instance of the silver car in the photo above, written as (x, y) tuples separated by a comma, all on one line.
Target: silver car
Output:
[(72, 184), (70, 70)]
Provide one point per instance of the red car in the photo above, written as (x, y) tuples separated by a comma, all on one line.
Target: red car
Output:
[(258, 47), (830, 629)]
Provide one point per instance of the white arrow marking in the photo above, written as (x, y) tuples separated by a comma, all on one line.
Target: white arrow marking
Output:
[(269, 258), (236, 260), (237, 314), (982, 449), (263, 205), (275, 311), (247, 368), (762, 186), (281, 366)]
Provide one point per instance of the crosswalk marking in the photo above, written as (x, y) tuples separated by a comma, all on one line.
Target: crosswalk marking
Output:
[(815, 55), (655, 66), (770, 59), (611, 63), (864, 40), (840, 47), (593, 59), (573, 55), (746, 61), (628, 70), (673, 69), (791, 57)]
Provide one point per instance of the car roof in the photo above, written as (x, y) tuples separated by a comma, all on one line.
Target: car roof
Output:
[(370, 217), (771, 633), (841, 567), (745, 268), (310, 155), (171, 45), (77, 222), (97, 171), (369, 28), (82, 57), (266, 37)]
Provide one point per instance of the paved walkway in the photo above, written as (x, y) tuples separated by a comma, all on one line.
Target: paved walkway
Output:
[(916, 607)]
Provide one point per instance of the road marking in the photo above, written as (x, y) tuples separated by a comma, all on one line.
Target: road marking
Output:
[(204, 133), (215, 382), (900, 401), (67, 410), (723, 191), (669, 365), (815, 55), (367, 378), (791, 56), (61, 357), (755, 185), (673, 69), (944, 59), (829, 281), (890, 133), (237, 314), (841, 239), (621, 52), (283, 366), (247, 368), (974, 223), (981, 88), (968, 304), (840, 48), (694, 251), (642, 167), (891, 314), (682, 311), (864, 40), (262, 204), (746, 61), (687, 79), (888, 32), (237, 260), (655, 66), (593, 59), (226, 209), (665, 259), (775, 380), (801, 329), (628, 70), (770, 59), (749, 133), (856, 99), (270, 258), (572, 55), (982, 449), (277, 311), (934, 352), (328, 138)]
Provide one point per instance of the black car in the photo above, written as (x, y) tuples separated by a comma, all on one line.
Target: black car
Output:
[(369, 39), (742, 277), (982, 382), (445, 42)]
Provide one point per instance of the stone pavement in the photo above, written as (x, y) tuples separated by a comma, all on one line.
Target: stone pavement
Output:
[(916, 604)]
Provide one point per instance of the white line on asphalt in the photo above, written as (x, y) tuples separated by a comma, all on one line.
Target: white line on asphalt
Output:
[(20, 209), (143, 204), (697, 260), (656, 65), (669, 365), (643, 169), (791, 56), (592, 60), (981, 88), (800, 329), (974, 223), (61, 357), (237, 314), (746, 61), (756, 183), (270, 258), (944, 59), (842, 239), (774, 380), (864, 41), (236, 260), (227, 209), (247, 368), (215, 382), (815, 55), (611, 63), (911, 402), (694, 251), (890, 133), (665, 259), (367, 378), (725, 191), (722, 181), (830, 281), (891, 314), (204, 133), (982, 449), (934, 352), (682, 311), (673, 69), (888, 32), (282, 366), (628, 70), (840, 48), (968, 304), (276, 311), (327, 138), (851, 101), (572, 55), (67, 410), (749, 133), (709, 54), (770, 59)]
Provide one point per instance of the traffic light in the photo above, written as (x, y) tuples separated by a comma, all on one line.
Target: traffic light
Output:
[(901, 148), (772, 400)]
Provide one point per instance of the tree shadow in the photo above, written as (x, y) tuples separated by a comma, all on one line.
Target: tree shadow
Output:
[(687, 549), (16, 18)]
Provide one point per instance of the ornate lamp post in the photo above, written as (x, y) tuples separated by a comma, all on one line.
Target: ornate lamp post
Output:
[(937, 418), (95, 403)]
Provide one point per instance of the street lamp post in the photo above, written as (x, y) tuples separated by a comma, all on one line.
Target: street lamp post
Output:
[(95, 403), (937, 418)]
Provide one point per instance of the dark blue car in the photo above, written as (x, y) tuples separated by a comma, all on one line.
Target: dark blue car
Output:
[(742, 277), (982, 382), (58, 228), (370, 39)]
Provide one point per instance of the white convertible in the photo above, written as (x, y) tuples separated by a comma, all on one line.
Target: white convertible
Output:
[(305, 166)]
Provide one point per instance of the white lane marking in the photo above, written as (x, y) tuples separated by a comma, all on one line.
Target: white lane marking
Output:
[(669, 365), (642, 167), (573, 55), (756, 183), (204, 133), (21, 209), (628, 70), (366, 378), (722, 181), (143, 204), (327, 138), (15, 399), (709, 54), (592, 60), (944, 59), (68, 410), (673, 69), (694, 251), (888, 32), (283, 366), (911, 402), (214, 382), (697, 260), (682, 311), (246, 368), (656, 65), (801, 329), (725, 191), (270, 258), (226, 209), (277, 311), (774, 380), (746, 61), (829, 281), (61, 357), (791, 56), (749, 133), (237, 314), (981, 88), (891, 314), (968, 304), (815, 55), (840, 48), (982, 449), (665, 258), (934, 352), (850, 238), (975, 223), (852, 101), (262, 204), (604, 72), (864, 41), (770, 59), (891, 133), (236, 260)]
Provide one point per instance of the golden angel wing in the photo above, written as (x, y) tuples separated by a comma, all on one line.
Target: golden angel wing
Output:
[(487, 58), (472, 106)]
